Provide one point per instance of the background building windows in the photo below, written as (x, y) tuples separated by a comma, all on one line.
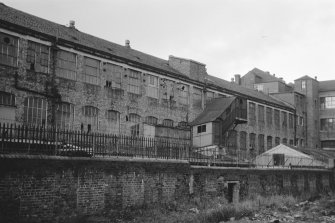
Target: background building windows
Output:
[(261, 115), (38, 57), (261, 143), (277, 119), (268, 142), (269, 117), (183, 95), (303, 84), (327, 102), (7, 99), (35, 111), (243, 140), (8, 50)]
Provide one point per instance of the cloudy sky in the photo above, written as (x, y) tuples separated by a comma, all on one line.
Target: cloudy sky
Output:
[(289, 38)]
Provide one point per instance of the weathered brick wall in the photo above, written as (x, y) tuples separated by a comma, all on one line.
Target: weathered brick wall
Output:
[(38, 190)]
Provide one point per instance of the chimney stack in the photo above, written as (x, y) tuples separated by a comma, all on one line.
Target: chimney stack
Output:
[(72, 24), (127, 43), (238, 79), (316, 78)]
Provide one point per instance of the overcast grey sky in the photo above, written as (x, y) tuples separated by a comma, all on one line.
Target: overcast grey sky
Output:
[(290, 38)]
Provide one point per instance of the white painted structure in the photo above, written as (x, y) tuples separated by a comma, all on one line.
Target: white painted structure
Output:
[(285, 156)]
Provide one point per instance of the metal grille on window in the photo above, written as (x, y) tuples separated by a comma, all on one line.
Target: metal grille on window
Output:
[(8, 50), (64, 115), (35, 111), (66, 65), (38, 57)]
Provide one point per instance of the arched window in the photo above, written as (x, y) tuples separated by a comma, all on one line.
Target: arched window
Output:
[(277, 141), (64, 115), (168, 122), (35, 111), (284, 141), (134, 118), (91, 115), (232, 139), (151, 120)]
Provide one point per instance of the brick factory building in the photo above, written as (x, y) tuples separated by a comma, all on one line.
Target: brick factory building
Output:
[(56, 75)]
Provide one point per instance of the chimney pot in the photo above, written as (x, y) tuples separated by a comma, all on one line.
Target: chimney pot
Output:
[(127, 43), (72, 24)]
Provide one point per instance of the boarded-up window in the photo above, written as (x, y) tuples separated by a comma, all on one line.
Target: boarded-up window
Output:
[(197, 97), (284, 119), (113, 121), (183, 95), (8, 50), (260, 115), (290, 121), (113, 75), (209, 96), (64, 115), (91, 71), (134, 82), (269, 142), (91, 118), (66, 65), (277, 119), (35, 111), (252, 141), (168, 122), (243, 140), (252, 114), (152, 90), (261, 144), (269, 117), (38, 57)]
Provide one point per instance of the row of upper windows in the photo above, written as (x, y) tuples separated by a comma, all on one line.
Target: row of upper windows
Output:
[(38, 57), (327, 102), (287, 118), (233, 138)]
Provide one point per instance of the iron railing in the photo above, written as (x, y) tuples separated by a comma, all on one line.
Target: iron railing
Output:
[(51, 141)]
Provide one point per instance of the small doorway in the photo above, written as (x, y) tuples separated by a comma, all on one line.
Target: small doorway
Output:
[(233, 191)]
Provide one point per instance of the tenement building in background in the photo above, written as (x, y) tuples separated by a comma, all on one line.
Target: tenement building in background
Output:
[(56, 75)]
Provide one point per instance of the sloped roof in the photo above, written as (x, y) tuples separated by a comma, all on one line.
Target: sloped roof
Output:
[(266, 76), (287, 150), (213, 110), (245, 91), (73, 35), (319, 153), (306, 77), (327, 85)]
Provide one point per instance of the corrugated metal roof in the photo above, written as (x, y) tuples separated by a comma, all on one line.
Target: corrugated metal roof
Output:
[(213, 110)]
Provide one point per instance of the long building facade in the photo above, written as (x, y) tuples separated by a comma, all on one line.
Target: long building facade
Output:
[(56, 75)]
